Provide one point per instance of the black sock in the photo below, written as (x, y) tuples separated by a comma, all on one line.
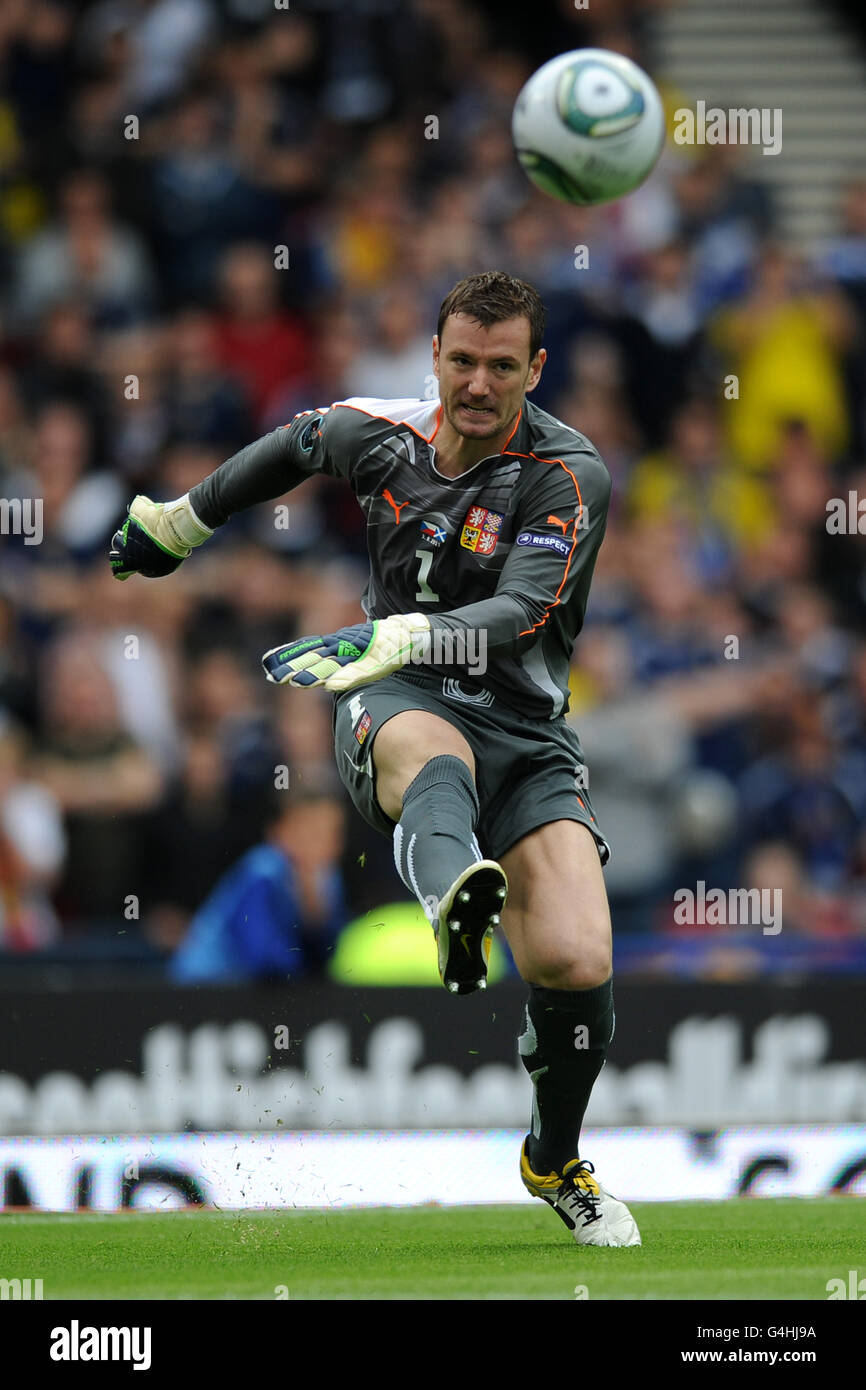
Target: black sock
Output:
[(435, 838), (563, 1047)]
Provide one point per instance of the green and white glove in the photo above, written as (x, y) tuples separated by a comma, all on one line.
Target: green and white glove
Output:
[(353, 656), (155, 538)]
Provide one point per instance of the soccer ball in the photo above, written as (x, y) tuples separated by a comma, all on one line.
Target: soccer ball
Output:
[(588, 126)]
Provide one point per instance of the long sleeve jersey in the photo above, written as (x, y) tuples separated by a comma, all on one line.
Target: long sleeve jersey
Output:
[(502, 555)]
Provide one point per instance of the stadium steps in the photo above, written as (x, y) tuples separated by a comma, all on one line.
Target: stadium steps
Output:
[(792, 54)]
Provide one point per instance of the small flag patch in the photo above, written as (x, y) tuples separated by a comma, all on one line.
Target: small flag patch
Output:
[(436, 535)]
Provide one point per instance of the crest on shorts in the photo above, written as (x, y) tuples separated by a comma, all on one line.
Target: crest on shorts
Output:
[(481, 530)]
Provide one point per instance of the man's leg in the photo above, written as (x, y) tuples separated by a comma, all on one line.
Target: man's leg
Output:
[(425, 782), (404, 745), (558, 927)]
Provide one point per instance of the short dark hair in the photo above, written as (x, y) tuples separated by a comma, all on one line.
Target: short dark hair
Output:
[(492, 297), (284, 802)]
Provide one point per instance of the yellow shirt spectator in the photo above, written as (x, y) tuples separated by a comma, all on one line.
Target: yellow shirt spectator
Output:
[(738, 504), (784, 344)]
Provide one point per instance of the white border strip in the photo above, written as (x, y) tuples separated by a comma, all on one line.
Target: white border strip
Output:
[(390, 1168)]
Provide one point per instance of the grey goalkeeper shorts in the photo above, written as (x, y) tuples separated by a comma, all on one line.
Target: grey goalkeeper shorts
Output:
[(527, 772)]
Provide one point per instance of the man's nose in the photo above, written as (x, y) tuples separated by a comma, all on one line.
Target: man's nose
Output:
[(479, 384)]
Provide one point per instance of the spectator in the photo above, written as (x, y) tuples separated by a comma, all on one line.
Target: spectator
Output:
[(101, 781), (277, 913), (258, 343), (694, 481), (16, 433), (79, 506), (159, 43), (85, 254), (203, 403), (661, 337), (63, 367), (32, 850), (201, 200), (800, 794), (784, 340), (399, 363), (193, 835)]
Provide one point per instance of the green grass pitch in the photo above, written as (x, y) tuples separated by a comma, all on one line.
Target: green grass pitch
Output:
[(745, 1248)]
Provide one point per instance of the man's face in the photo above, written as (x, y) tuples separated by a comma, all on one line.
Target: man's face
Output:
[(484, 373)]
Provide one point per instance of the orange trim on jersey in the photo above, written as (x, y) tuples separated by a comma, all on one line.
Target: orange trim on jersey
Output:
[(582, 805), (505, 448), (512, 453), (301, 413), (516, 453), (428, 439), (361, 411)]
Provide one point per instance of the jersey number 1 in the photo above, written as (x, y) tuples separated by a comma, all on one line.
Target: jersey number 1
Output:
[(425, 594)]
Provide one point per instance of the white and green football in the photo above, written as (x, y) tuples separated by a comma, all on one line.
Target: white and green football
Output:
[(588, 126)]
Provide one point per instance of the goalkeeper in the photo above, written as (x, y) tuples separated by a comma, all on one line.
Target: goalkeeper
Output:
[(484, 520)]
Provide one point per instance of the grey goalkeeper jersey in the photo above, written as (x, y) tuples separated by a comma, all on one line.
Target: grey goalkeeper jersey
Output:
[(502, 556)]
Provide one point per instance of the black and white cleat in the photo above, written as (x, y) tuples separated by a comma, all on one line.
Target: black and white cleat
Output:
[(468, 916), (592, 1214)]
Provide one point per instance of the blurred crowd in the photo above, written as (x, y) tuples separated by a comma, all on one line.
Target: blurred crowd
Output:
[(214, 213)]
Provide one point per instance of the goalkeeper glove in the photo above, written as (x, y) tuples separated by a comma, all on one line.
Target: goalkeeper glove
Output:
[(155, 538), (352, 656)]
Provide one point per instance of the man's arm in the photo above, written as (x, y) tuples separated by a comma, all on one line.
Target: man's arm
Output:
[(157, 537), (561, 524), (560, 527), (268, 468)]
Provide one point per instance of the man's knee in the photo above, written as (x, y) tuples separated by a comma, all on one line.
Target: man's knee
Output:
[(570, 954), (404, 745), (557, 919), (583, 967)]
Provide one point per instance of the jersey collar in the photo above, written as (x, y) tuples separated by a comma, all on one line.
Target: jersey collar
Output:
[(487, 458)]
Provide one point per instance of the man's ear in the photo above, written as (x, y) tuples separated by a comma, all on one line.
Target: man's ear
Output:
[(436, 356), (535, 368)]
